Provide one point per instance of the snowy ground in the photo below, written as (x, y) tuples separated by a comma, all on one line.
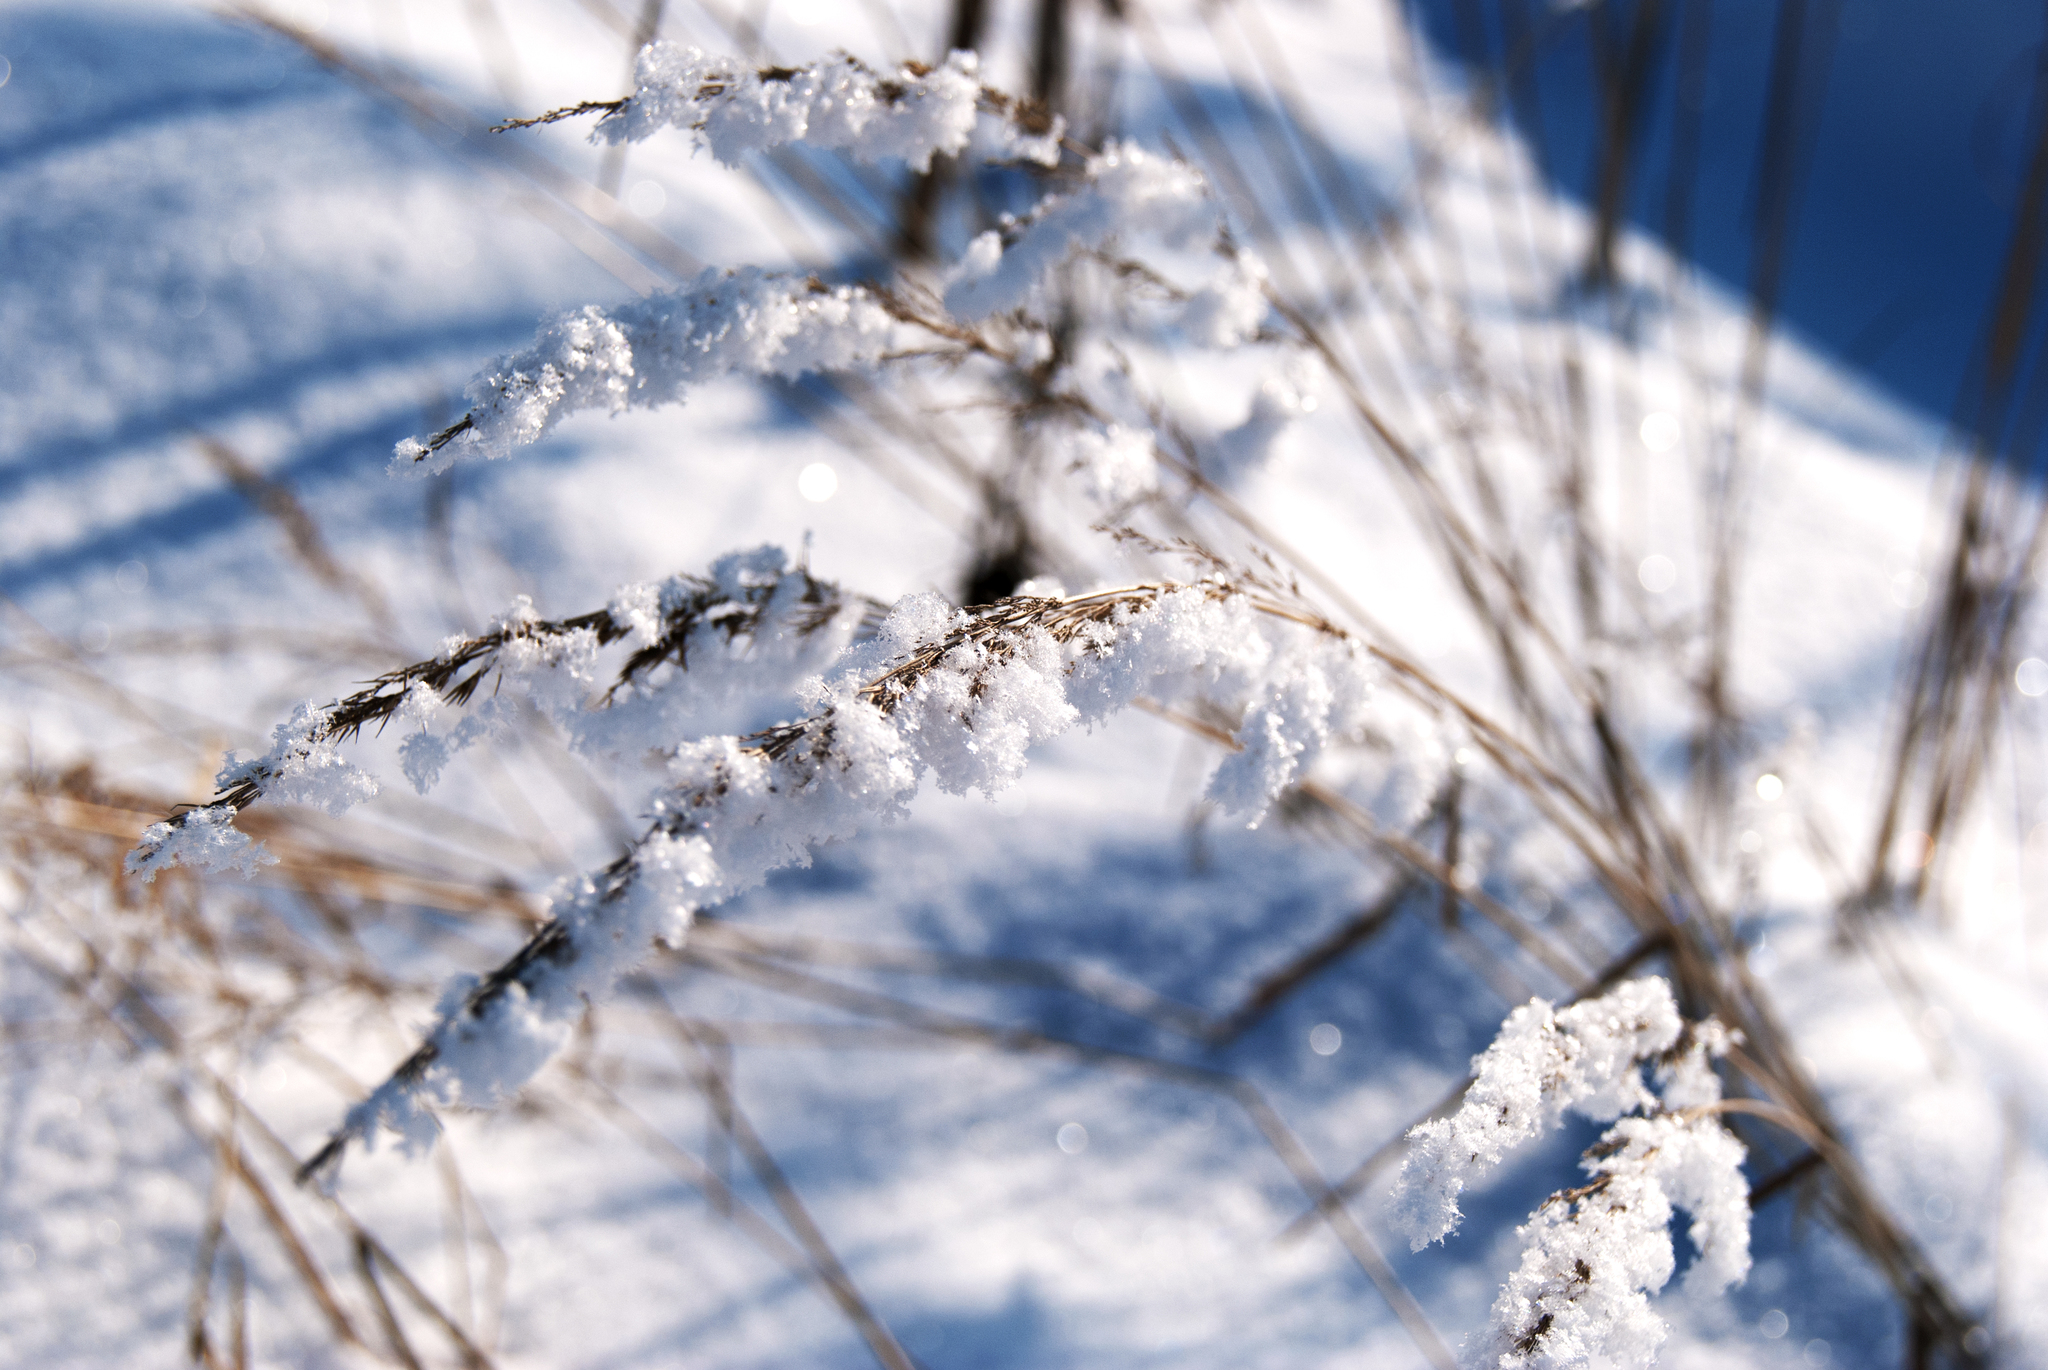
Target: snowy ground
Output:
[(210, 237)]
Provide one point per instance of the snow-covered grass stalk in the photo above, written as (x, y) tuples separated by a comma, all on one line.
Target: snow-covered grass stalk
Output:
[(748, 628), (860, 758), (1148, 222), (1596, 1252), (954, 696), (733, 108)]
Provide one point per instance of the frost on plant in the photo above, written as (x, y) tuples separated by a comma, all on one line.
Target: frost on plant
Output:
[(697, 648), (1150, 222), (941, 693), (303, 766), (734, 108), (1586, 1058), (651, 352), (1030, 334), (205, 839), (937, 692), (1593, 1254)]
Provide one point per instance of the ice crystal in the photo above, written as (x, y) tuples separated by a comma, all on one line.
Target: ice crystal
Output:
[(733, 108), (652, 352), (1593, 1255)]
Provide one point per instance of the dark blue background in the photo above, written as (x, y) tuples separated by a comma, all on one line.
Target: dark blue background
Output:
[(1918, 126)]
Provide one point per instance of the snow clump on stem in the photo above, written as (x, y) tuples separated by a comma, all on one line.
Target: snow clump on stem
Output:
[(204, 839), (1593, 1255), (952, 694), (651, 352), (733, 108), (303, 766), (699, 647)]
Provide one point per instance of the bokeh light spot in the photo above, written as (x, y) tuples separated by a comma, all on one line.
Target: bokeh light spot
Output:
[(647, 199), (1660, 431), (817, 482)]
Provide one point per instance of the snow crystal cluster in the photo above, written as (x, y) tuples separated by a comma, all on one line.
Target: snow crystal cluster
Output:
[(204, 839), (733, 108), (1593, 1255), (1147, 223), (651, 352), (303, 766), (745, 632), (939, 694)]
